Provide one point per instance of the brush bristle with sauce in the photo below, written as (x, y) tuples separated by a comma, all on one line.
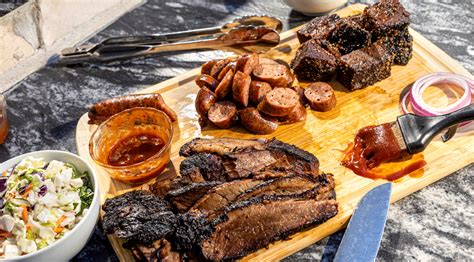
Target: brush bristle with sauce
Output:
[(380, 152)]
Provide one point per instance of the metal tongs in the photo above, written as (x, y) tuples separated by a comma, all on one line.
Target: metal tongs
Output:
[(249, 33)]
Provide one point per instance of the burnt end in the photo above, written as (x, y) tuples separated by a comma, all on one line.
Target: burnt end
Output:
[(400, 45), (386, 16), (183, 198), (318, 28), (364, 67), (313, 63), (139, 217), (350, 35), (268, 218), (380, 53), (207, 166)]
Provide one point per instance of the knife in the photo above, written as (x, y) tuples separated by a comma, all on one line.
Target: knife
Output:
[(362, 238)]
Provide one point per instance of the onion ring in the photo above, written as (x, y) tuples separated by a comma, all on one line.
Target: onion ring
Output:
[(420, 107)]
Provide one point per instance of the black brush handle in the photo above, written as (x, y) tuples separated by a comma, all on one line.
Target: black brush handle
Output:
[(418, 131)]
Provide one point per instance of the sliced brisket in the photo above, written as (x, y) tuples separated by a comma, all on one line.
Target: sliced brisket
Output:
[(139, 217), (221, 196), (278, 159), (253, 224), (220, 146), (288, 185), (185, 197)]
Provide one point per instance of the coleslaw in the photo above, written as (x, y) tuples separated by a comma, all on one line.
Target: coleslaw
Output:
[(41, 201)]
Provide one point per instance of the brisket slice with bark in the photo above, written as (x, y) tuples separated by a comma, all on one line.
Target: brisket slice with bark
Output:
[(221, 146), (304, 185), (253, 224), (276, 160), (139, 217), (183, 198), (222, 195)]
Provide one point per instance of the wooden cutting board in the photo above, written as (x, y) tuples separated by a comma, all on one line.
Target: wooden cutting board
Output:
[(323, 134)]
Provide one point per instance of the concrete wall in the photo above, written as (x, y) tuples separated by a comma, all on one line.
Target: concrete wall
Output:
[(30, 34)]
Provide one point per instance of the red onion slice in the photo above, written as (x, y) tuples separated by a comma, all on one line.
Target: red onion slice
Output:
[(420, 107)]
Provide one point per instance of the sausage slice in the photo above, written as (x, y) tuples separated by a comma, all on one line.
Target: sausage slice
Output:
[(300, 91), (230, 65), (258, 90), (204, 100), (320, 96), (223, 114), (225, 85), (218, 66), (257, 123), (275, 74), (206, 81), (247, 63), (296, 115), (241, 88), (279, 102), (206, 67)]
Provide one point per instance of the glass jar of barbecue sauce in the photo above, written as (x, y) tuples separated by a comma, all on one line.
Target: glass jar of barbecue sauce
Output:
[(133, 146)]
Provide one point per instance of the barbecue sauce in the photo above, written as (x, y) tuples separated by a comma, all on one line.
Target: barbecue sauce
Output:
[(135, 149), (3, 129), (376, 154)]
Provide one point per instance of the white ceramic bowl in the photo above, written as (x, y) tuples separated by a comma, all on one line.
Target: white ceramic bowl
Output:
[(314, 7), (72, 242)]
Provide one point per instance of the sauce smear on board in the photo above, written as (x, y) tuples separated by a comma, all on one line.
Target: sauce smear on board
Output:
[(376, 154)]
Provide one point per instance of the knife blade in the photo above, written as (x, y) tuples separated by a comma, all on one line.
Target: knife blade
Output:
[(362, 238)]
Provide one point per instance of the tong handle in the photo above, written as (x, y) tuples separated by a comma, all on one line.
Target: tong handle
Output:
[(418, 131), (158, 38)]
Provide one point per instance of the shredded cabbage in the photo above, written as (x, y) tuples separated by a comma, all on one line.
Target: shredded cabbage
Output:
[(43, 202)]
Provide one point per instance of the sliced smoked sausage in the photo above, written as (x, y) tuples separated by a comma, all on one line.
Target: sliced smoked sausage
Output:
[(320, 96), (206, 81), (230, 65), (223, 114), (258, 89), (257, 123), (204, 100), (206, 67), (225, 85), (300, 91), (246, 63), (241, 88), (275, 74), (218, 66), (279, 102), (296, 115), (102, 110)]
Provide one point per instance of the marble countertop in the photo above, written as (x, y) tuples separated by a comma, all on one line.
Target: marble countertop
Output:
[(434, 223)]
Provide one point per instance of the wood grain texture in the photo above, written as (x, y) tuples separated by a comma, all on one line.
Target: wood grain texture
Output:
[(323, 134)]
